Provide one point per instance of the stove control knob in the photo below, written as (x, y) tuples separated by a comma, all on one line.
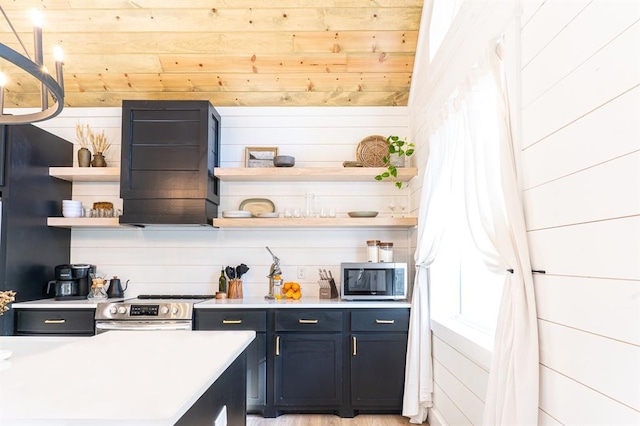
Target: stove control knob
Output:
[(174, 310), (122, 310), (164, 310), (113, 310)]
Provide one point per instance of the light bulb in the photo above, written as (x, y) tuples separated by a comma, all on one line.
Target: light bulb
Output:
[(3, 79), (58, 54), (36, 18)]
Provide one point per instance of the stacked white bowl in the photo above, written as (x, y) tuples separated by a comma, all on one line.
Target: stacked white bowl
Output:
[(71, 208)]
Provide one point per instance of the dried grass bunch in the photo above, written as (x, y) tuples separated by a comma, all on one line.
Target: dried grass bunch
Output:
[(99, 142), (82, 134), (85, 135), (6, 297)]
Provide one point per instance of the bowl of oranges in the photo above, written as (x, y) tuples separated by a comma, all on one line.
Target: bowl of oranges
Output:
[(291, 290)]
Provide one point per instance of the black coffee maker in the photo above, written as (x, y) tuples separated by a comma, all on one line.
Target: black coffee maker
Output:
[(72, 281)]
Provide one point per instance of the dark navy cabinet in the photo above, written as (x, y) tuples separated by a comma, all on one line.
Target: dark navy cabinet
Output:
[(29, 248), (169, 151), (342, 361)]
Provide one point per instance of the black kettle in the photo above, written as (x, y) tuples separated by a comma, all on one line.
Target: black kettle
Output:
[(115, 289)]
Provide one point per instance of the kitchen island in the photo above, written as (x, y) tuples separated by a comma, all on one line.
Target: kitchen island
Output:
[(125, 378)]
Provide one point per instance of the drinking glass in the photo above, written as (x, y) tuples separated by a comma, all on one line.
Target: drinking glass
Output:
[(402, 203), (392, 206)]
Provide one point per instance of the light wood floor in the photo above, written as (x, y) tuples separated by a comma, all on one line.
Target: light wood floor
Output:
[(328, 420)]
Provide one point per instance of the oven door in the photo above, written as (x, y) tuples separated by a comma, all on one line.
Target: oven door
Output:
[(102, 326)]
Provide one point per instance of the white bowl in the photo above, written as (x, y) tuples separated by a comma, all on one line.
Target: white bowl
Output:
[(71, 202), (71, 214)]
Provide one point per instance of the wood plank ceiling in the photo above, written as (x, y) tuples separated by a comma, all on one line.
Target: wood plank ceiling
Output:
[(231, 52)]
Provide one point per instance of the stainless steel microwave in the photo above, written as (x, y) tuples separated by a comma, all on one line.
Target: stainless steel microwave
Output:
[(374, 281)]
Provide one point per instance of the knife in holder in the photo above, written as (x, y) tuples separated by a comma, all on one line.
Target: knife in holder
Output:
[(328, 289)]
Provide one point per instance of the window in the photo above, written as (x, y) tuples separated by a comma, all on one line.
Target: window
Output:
[(462, 285)]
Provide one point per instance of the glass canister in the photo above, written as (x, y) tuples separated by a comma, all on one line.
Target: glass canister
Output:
[(385, 251), (372, 251)]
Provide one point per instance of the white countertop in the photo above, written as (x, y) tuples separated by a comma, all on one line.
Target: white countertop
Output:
[(304, 302), (247, 302), (115, 378), (59, 304)]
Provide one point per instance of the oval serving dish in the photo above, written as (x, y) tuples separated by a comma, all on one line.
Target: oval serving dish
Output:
[(363, 214), (257, 205)]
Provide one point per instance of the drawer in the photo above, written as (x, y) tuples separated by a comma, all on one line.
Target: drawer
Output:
[(210, 319), (54, 321), (380, 320), (308, 320)]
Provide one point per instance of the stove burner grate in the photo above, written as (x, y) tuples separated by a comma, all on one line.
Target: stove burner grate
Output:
[(176, 296)]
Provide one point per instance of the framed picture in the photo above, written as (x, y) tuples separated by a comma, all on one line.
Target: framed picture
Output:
[(259, 156)]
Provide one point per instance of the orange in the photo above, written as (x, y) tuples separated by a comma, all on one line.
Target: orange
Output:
[(295, 286), (297, 295), (289, 294), (286, 286)]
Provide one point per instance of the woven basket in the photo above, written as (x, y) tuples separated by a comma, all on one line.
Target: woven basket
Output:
[(372, 150)]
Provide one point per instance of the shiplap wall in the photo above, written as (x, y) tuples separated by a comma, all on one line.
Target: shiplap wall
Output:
[(188, 260), (581, 175)]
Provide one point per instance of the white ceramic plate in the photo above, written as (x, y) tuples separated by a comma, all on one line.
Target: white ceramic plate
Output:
[(236, 214), (268, 215), (5, 354), (363, 214)]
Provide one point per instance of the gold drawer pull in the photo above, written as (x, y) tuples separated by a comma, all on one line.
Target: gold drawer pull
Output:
[(385, 321), (277, 345), (232, 321), (58, 321), (304, 321), (355, 346)]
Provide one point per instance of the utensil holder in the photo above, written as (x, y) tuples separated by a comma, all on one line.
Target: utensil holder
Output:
[(235, 289)]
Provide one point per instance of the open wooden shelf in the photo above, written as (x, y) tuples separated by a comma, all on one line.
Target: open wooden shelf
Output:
[(339, 222), (308, 174), (84, 222), (86, 174)]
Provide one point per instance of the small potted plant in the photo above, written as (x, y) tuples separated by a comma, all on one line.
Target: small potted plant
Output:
[(399, 149)]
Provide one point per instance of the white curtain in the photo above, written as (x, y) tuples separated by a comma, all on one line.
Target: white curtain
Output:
[(512, 393), (435, 207), (477, 131)]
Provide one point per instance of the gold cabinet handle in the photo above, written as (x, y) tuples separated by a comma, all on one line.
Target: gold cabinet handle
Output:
[(232, 321), (304, 321), (58, 321), (385, 321), (277, 345), (355, 346)]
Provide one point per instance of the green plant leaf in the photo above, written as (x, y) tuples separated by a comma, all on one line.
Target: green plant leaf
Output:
[(409, 152), (399, 185), (393, 171), (378, 177)]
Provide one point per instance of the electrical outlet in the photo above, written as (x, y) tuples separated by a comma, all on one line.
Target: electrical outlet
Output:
[(302, 273)]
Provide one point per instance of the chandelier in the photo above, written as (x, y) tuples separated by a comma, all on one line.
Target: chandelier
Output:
[(35, 67)]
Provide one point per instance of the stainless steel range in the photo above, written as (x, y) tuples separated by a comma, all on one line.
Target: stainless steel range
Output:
[(148, 312)]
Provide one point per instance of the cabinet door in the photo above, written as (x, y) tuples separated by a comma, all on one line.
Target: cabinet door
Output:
[(169, 150), (308, 370), (256, 351), (377, 370)]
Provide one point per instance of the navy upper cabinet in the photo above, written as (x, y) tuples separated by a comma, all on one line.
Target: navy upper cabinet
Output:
[(169, 151)]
